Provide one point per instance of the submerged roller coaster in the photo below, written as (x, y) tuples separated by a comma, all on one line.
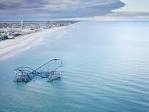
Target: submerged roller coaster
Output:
[(49, 70)]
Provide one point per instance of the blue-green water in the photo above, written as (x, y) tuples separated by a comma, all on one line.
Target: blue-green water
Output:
[(106, 69)]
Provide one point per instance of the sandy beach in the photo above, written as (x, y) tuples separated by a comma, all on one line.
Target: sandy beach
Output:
[(10, 47)]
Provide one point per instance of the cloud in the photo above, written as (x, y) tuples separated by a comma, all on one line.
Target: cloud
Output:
[(56, 8), (8, 4)]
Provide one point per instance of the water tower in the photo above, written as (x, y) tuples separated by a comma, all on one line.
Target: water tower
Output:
[(21, 24)]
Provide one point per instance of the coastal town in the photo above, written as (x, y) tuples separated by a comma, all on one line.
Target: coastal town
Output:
[(14, 29)]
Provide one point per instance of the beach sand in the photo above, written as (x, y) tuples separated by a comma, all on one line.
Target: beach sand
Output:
[(11, 47)]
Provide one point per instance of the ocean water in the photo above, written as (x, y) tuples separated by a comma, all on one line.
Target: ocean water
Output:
[(106, 69)]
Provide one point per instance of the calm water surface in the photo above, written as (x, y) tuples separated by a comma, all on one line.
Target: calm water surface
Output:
[(106, 69)]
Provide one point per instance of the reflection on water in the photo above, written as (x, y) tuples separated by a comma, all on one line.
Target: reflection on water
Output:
[(105, 69)]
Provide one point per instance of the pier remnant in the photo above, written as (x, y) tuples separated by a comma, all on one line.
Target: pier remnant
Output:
[(48, 70)]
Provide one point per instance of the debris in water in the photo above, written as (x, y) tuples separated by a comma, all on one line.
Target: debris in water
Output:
[(48, 70)]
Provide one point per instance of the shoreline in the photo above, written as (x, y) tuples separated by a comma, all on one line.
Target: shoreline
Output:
[(11, 47)]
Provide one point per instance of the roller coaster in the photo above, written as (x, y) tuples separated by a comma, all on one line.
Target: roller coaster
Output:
[(49, 70)]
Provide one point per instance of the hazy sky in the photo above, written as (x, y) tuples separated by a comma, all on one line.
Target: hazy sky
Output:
[(45, 9), (135, 6)]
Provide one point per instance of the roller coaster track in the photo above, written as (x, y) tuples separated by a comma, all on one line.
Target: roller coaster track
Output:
[(47, 70)]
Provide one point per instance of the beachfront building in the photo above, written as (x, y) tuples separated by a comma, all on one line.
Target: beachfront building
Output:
[(13, 29)]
